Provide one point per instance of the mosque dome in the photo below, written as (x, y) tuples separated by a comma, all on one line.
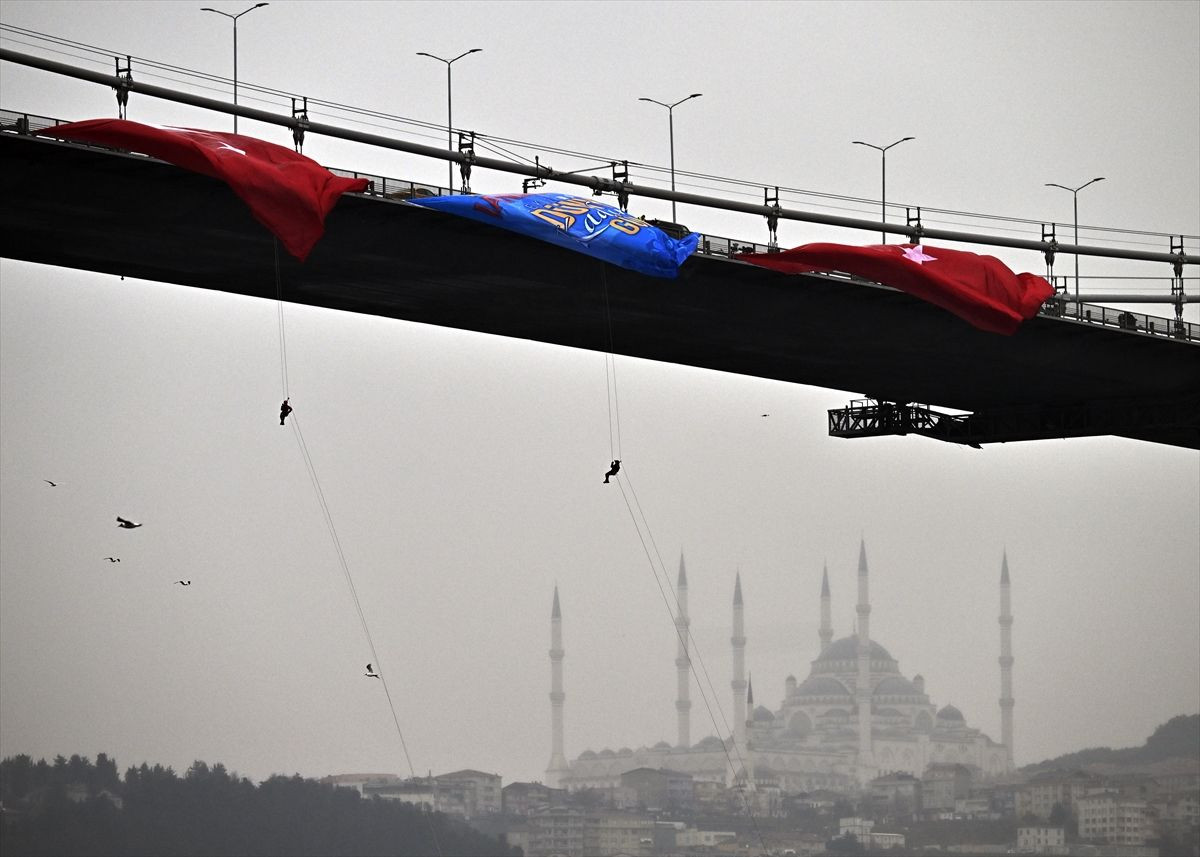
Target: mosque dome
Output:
[(606, 753), (846, 649), (587, 754), (822, 686), (661, 745), (950, 713), (624, 751), (763, 715), (712, 742), (895, 685)]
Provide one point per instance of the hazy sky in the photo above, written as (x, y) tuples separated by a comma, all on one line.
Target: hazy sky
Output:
[(464, 471)]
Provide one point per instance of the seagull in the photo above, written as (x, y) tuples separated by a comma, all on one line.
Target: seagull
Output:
[(370, 672), (766, 415), (51, 484), (113, 558), (184, 582), (126, 525)]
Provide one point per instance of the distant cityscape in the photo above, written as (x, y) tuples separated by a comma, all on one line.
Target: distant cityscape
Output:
[(1146, 810), (856, 759), (1135, 802)]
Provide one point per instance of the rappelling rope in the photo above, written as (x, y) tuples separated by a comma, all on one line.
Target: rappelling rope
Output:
[(283, 370), (691, 661), (311, 470), (689, 643), (690, 637), (610, 372)]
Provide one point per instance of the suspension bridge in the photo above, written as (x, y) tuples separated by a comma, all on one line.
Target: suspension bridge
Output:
[(1077, 369), (1074, 370)]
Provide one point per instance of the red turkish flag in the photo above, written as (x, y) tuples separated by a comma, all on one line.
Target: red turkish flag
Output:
[(980, 289), (286, 192)]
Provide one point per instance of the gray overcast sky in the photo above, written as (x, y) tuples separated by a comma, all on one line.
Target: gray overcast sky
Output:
[(463, 471)]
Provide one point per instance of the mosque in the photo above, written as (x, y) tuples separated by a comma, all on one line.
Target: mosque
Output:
[(853, 718)]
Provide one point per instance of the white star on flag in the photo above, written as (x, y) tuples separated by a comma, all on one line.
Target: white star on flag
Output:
[(917, 254)]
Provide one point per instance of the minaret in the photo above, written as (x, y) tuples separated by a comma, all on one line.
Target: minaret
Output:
[(862, 685), (826, 615), (558, 762), (683, 705), (749, 759), (739, 666), (1006, 662)]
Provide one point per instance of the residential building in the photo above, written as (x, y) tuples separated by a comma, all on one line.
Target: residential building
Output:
[(478, 793), (570, 832), (942, 786), (863, 829), (527, 798), (659, 788), (357, 781), (896, 794), (420, 792), (1113, 819), (1038, 797), (1040, 840)]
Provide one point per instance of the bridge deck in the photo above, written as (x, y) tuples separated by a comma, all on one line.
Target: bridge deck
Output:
[(86, 208)]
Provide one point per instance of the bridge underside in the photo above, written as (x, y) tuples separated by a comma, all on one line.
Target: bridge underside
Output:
[(78, 207)]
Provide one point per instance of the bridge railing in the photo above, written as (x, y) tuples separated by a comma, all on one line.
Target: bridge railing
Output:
[(1064, 307), (709, 245), (25, 123)]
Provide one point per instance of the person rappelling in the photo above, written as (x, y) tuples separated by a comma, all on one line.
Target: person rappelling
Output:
[(613, 469), (284, 410)]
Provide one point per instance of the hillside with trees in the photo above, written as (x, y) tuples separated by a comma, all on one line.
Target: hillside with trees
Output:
[(75, 807), (1178, 738)]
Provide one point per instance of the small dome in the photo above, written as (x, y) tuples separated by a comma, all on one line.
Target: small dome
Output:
[(587, 754), (712, 742), (624, 751), (606, 753), (822, 686), (790, 679), (661, 745), (763, 715), (895, 685), (846, 649), (950, 713)]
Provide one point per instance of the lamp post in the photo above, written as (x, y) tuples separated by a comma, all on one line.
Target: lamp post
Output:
[(234, 18), (671, 127), (449, 109), (883, 190), (1075, 196)]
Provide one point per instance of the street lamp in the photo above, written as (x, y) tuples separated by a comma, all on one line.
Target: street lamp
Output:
[(449, 110), (1075, 194), (234, 18), (671, 126), (883, 191)]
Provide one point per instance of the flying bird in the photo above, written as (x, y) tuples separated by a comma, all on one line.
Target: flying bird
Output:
[(184, 582), (51, 484), (113, 558), (370, 672), (766, 415), (126, 525)]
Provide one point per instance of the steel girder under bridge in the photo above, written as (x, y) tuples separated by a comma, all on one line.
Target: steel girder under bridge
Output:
[(96, 210)]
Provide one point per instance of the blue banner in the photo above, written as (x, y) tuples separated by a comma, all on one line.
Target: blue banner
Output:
[(584, 225)]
